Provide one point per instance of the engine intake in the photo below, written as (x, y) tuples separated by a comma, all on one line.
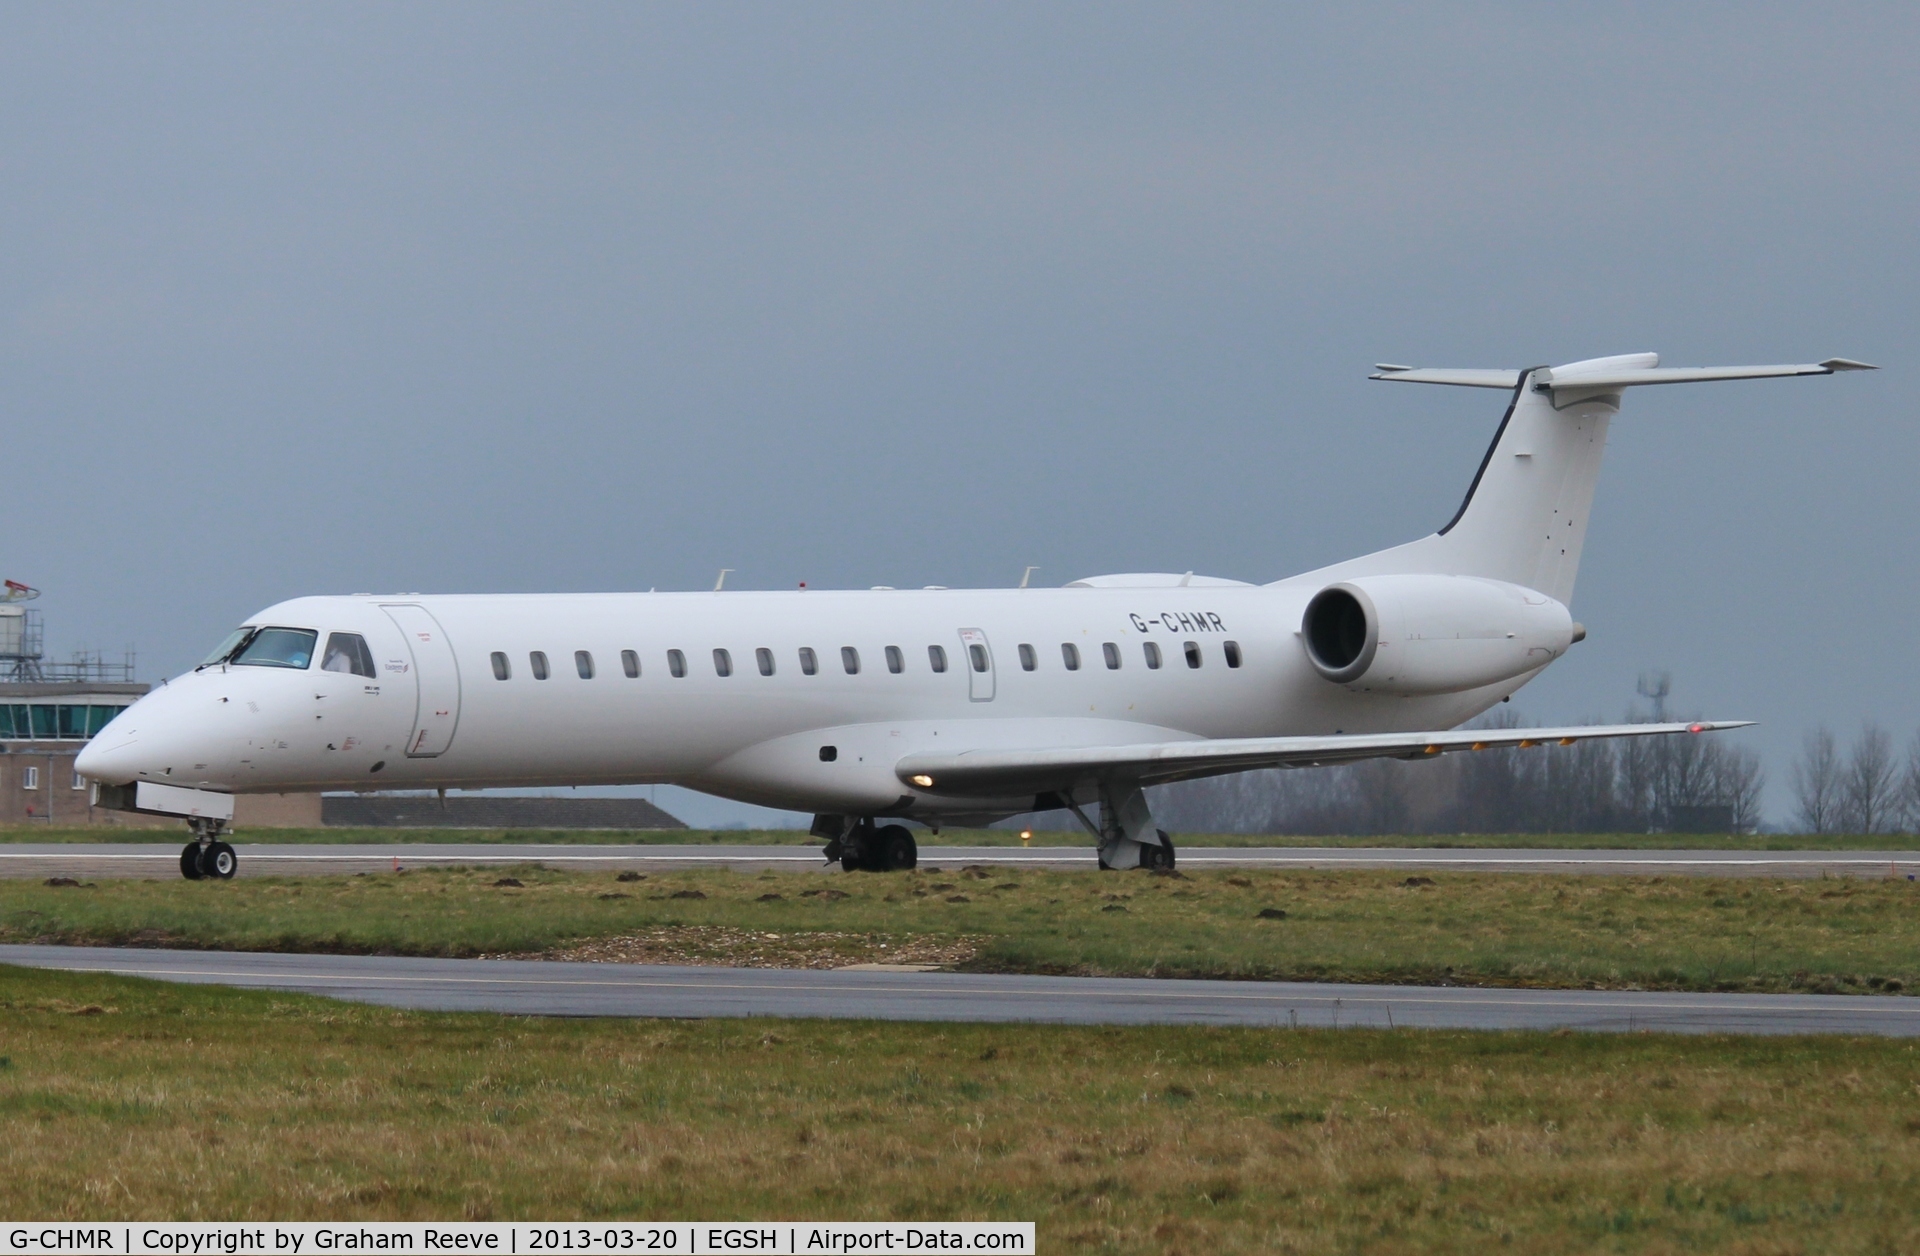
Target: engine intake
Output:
[(1416, 635)]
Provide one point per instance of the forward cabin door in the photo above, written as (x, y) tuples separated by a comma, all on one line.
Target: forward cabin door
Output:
[(437, 677), (977, 657)]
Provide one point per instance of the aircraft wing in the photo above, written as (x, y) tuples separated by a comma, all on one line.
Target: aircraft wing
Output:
[(1006, 772)]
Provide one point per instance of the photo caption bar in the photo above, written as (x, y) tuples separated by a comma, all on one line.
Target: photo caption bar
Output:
[(509, 1238)]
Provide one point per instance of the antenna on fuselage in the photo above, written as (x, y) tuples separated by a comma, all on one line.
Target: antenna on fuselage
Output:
[(721, 583), (1027, 575)]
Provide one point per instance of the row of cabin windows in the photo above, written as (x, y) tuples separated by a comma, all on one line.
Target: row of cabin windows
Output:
[(1110, 654), (850, 660)]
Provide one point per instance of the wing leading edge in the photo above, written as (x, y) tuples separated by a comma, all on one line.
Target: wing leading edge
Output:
[(1007, 772)]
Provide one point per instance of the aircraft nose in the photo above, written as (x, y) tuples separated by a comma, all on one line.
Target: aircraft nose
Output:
[(109, 759)]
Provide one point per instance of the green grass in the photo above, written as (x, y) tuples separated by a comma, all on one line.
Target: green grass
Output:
[(993, 837), (1691, 933), (136, 1100)]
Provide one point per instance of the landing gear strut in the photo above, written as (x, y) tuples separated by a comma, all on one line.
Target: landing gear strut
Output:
[(1127, 836), (206, 856), (861, 847)]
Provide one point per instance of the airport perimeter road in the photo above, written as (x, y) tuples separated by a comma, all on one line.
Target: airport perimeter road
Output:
[(161, 860), (538, 988)]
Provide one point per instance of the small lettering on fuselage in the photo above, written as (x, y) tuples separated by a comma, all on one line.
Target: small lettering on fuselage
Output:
[(1179, 621)]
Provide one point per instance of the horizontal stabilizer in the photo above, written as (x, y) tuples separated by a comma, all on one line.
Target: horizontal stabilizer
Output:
[(1460, 379), (1004, 772), (1609, 374)]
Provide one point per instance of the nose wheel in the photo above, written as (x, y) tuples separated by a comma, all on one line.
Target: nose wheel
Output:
[(864, 848), (206, 857)]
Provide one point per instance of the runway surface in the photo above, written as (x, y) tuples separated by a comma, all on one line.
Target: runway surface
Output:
[(537, 988), (106, 859)]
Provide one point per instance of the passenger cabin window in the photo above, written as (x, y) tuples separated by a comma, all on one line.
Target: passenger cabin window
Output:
[(722, 663), (676, 664), (850, 659), (1152, 650), (1193, 653), (502, 670), (630, 664), (896, 662), (538, 661), (1112, 654), (1233, 654), (583, 663), (278, 647), (347, 652), (1028, 659), (978, 653), (809, 661), (1070, 655), (937, 657), (764, 657)]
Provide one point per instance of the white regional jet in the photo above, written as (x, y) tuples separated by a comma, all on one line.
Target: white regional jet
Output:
[(944, 706)]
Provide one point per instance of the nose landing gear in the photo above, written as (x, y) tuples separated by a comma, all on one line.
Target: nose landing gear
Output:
[(206, 856), (864, 848)]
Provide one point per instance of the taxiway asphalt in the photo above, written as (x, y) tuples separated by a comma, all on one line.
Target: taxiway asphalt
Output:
[(557, 988), (161, 860)]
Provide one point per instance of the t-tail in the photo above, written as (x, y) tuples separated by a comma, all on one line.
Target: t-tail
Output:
[(1524, 518)]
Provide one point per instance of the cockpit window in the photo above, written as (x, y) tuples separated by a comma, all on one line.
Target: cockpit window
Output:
[(347, 652), (278, 647), (235, 639)]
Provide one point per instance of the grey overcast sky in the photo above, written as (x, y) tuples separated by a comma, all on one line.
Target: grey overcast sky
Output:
[(576, 297)]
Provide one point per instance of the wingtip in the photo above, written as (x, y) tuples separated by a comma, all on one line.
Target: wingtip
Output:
[(1848, 364)]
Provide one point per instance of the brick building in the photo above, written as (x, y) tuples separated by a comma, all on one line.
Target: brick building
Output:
[(42, 728)]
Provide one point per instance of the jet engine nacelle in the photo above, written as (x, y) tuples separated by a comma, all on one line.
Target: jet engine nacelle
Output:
[(1431, 634)]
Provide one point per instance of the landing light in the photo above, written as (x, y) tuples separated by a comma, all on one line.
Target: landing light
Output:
[(923, 781)]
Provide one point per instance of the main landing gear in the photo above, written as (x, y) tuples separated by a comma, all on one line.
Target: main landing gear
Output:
[(861, 847), (206, 857), (1127, 836)]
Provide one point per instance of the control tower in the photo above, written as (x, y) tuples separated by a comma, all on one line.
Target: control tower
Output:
[(23, 652)]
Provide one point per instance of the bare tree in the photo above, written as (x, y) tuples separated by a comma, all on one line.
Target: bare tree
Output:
[(1869, 787), (1910, 787), (1816, 782), (1738, 782)]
